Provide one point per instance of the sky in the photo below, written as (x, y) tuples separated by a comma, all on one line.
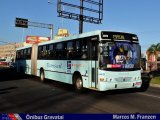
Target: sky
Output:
[(140, 17)]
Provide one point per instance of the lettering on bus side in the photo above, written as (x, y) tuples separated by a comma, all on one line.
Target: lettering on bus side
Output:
[(68, 64), (54, 66)]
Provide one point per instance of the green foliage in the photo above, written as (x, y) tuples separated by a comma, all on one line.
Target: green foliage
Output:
[(156, 80), (154, 48)]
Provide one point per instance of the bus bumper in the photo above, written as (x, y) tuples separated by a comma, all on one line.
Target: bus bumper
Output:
[(104, 86)]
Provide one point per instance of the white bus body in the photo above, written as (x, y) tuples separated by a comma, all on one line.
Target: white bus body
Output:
[(100, 60)]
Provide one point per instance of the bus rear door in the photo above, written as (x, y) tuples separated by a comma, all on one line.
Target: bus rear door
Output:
[(94, 66)]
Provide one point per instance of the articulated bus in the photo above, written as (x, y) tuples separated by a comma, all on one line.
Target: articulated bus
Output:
[(99, 60)]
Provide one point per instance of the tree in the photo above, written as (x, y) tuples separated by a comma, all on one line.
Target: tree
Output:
[(153, 49)]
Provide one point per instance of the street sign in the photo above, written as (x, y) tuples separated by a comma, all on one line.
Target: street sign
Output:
[(20, 22), (24, 23)]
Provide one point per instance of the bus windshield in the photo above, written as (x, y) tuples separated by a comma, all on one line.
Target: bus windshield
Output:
[(119, 56)]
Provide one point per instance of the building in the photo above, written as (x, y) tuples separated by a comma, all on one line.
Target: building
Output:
[(9, 50)]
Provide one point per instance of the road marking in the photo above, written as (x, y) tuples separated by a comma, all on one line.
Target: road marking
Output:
[(149, 95)]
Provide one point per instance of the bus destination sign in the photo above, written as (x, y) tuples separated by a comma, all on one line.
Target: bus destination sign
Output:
[(118, 37)]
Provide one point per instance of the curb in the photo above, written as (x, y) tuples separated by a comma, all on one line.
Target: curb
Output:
[(155, 85)]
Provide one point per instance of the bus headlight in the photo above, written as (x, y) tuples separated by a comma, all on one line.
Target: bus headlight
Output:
[(102, 79)]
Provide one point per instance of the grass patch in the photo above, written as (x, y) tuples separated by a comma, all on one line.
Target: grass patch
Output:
[(156, 80)]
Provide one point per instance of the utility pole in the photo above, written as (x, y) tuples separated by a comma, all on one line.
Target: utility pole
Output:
[(81, 18), (51, 30)]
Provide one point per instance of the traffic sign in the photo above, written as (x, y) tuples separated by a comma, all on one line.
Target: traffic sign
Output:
[(20, 22)]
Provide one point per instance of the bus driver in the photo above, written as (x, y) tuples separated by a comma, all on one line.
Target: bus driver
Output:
[(120, 57)]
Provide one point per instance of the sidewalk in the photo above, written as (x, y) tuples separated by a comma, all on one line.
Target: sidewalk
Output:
[(146, 73), (154, 85)]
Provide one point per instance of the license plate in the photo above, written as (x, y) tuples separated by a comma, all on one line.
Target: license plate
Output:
[(124, 85)]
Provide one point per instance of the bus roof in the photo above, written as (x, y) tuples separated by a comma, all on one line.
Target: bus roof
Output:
[(83, 35), (28, 46), (86, 34), (76, 36)]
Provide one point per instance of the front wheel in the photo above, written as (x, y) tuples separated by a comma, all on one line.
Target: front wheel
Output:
[(144, 87), (42, 76)]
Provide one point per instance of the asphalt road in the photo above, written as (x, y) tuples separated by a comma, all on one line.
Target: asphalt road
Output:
[(25, 94)]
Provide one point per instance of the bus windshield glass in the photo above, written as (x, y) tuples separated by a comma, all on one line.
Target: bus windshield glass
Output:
[(119, 56)]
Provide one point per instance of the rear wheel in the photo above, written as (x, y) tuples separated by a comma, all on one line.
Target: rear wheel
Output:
[(78, 83), (42, 75)]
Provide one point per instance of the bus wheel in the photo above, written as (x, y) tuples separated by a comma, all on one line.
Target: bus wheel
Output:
[(42, 76), (78, 83)]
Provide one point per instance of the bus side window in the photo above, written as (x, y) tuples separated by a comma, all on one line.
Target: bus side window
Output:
[(22, 54), (47, 52), (50, 51), (70, 52), (18, 55), (59, 48), (39, 52), (25, 54), (84, 49), (44, 52), (78, 50), (64, 51), (29, 53)]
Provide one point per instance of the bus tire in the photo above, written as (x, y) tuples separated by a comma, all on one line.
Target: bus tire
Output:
[(144, 87), (78, 83), (42, 75)]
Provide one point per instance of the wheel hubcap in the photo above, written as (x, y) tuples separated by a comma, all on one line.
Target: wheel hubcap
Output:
[(42, 76), (79, 83)]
